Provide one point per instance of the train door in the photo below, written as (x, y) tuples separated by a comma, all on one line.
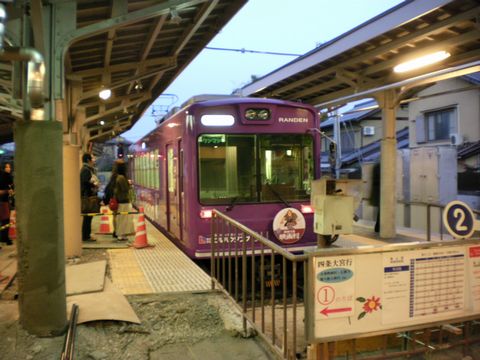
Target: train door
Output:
[(172, 197), (181, 204)]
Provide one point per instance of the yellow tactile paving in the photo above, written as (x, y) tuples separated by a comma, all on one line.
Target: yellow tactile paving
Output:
[(126, 273), (167, 268), (162, 268)]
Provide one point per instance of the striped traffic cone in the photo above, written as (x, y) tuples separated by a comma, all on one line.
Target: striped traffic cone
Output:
[(141, 232), (104, 222), (12, 231)]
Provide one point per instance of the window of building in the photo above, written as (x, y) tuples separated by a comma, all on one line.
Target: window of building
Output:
[(347, 141), (437, 125)]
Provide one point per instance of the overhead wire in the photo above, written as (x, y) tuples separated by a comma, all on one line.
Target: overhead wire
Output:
[(251, 51)]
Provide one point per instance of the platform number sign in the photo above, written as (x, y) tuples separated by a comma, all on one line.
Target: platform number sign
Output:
[(459, 220)]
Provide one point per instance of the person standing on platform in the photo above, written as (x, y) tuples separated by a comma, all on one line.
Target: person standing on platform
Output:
[(121, 192), (109, 193), (6, 191), (88, 187), (7, 168)]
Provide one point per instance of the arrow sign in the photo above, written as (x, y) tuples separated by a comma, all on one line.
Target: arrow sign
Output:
[(327, 311)]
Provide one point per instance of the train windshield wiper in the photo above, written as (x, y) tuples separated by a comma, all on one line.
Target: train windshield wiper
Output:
[(274, 192), (232, 203)]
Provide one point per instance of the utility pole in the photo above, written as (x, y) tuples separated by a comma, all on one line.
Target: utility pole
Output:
[(337, 137)]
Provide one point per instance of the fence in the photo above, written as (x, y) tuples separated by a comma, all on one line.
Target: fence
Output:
[(429, 216), (269, 288), (265, 286)]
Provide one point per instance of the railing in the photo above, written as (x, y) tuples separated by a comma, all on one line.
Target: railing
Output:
[(269, 290), (428, 209), (264, 286)]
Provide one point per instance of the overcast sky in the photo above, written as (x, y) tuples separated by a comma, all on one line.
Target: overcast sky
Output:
[(283, 26)]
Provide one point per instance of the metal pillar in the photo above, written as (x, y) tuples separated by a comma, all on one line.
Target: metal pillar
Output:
[(388, 158), (338, 139)]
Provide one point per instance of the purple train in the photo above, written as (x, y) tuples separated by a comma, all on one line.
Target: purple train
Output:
[(252, 159)]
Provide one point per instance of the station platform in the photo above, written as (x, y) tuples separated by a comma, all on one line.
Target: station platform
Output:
[(157, 269), (364, 235), (163, 268), (165, 272)]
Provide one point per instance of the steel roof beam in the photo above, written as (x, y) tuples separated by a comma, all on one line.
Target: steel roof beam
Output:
[(345, 95), (64, 42), (168, 60), (124, 105), (202, 15), (377, 51), (115, 99), (119, 8), (187, 35), (124, 20), (446, 44), (152, 36)]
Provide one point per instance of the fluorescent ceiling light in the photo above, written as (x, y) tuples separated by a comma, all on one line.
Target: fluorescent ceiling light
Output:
[(105, 94), (217, 120), (421, 61)]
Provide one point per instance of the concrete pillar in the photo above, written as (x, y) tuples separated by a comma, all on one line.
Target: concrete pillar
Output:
[(388, 160), (387, 189), (71, 201), (41, 259)]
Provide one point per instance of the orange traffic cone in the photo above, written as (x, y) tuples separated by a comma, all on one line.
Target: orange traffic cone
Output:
[(12, 231), (104, 222), (141, 232)]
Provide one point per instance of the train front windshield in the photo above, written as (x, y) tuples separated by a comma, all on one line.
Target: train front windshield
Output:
[(254, 168)]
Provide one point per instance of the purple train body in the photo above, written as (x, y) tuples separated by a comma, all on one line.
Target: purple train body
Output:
[(249, 158)]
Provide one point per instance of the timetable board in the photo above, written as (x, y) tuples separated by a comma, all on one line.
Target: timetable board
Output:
[(380, 290)]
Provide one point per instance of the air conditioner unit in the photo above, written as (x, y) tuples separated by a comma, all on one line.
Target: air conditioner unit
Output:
[(456, 139), (369, 130)]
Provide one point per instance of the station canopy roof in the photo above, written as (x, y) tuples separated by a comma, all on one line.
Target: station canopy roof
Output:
[(360, 62), (135, 47)]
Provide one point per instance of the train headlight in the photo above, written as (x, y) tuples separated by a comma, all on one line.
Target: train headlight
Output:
[(206, 213), (250, 114), (306, 209), (264, 114), (255, 114)]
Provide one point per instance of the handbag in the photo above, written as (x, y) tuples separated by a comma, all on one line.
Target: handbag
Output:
[(113, 204), (90, 204)]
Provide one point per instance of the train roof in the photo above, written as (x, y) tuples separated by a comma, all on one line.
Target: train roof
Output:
[(242, 100)]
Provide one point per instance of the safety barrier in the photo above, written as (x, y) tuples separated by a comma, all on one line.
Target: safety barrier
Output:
[(110, 214), (258, 284), (428, 210), (275, 291), (6, 226)]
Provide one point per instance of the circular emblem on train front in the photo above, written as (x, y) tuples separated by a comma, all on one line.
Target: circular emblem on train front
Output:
[(289, 225)]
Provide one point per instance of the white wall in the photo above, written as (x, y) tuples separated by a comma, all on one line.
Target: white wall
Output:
[(467, 104)]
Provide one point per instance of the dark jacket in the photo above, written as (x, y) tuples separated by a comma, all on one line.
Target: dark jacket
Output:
[(375, 195), (108, 192), (121, 190), (86, 186), (6, 183)]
